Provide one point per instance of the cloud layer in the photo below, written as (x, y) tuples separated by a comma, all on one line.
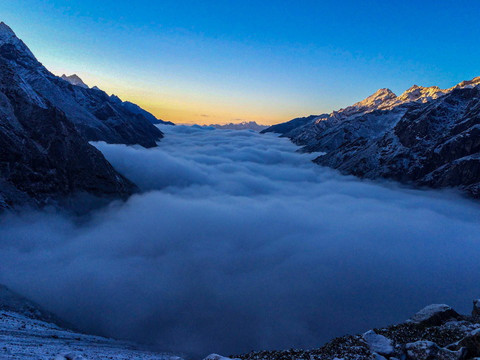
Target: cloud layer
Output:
[(240, 243)]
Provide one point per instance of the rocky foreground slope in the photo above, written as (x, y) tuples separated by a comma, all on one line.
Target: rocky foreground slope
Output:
[(435, 332), (427, 136)]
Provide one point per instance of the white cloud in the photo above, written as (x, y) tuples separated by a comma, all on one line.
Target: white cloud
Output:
[(241, 243)]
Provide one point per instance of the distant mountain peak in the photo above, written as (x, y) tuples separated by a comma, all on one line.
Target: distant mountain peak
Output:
[(115, 99), (376, 100), (421, 94), (474, 82), (74, 80), (244, 125), (378, 97)]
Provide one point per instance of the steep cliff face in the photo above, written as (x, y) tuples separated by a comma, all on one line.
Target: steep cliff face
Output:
[(427, 136), (95, 115), (43, 158)]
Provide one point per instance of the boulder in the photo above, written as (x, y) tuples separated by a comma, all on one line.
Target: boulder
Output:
[(217, 357), (471, 343), (378, 343), (427, 350), (476, 308), (435, 315)]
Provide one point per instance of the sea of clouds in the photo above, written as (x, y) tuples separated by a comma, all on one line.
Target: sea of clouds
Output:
[(238, 242)]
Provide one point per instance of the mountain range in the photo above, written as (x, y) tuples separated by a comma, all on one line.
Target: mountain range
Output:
[(427, 136), (133, 108), (244, 125)]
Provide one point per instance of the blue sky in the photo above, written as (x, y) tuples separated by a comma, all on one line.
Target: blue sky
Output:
[(268, 61)]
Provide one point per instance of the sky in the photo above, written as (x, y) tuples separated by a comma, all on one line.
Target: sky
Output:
[(266, 61), (239, 243)]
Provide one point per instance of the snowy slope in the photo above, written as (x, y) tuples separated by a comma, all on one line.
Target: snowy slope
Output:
[(29, 332), (22, 338)]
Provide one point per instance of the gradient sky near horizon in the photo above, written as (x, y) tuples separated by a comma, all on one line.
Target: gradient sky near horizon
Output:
[(266, 61)]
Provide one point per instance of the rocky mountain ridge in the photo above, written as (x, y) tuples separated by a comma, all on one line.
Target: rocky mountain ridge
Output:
[(74, 79), (45, 126), (426, 136), (95, 116)]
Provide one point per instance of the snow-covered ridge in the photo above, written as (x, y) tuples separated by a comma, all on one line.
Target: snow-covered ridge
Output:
[(385, 99), (426, 136)]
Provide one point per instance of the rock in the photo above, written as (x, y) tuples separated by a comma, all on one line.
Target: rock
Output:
[(476, 308), (69, 356), (427, 350), (216, 357), (434, 315), (378, 343), (471, 343)]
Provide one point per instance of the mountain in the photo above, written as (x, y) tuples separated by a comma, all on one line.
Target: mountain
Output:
[(93, 113), (74, 80), (129, 106), (135, 109), (250, 125), (291, 127), (29, 332), (427, 136), (43, 157)]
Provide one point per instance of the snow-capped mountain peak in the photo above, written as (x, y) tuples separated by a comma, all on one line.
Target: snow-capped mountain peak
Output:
[(373, 102), (377, 98), (468, 83), (421, 94), (75, 80)]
